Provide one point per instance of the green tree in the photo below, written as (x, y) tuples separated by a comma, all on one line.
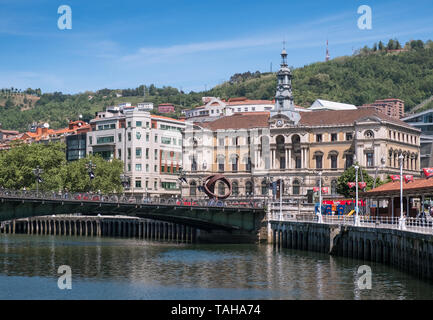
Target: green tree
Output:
[(349, 175)]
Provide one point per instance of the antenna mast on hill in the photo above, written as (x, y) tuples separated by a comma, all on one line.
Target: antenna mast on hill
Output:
[(327, 51)]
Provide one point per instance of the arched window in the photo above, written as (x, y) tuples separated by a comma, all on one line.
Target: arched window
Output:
[(265, 188), (193, 188), (296, 187), (234, 159), (248, 188), (220, 161), (235, 188)]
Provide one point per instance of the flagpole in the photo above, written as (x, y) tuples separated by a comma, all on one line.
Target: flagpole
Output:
[(320, 198)]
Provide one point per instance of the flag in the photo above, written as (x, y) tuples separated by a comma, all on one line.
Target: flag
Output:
[(395, 177), (91, 175), (428, 172), (362, 185), (325, 190), (351, 185), (408, 178)]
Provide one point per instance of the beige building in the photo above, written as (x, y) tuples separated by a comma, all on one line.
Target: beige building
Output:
[(291, 147)]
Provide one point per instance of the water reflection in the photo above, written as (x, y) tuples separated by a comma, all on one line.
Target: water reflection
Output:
[(105, 268)]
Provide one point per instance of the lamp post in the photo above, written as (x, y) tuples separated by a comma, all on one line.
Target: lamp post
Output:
[(320, 220), (90, 167), (125, 182), (37, 172), (357, 223), (401, 224)]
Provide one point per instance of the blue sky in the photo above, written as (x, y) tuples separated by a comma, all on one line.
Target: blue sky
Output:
[(191, 45)]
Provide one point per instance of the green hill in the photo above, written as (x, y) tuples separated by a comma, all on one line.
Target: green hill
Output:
[(369, 75)]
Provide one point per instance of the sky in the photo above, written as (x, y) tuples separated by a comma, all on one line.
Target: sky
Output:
[(187, 44)]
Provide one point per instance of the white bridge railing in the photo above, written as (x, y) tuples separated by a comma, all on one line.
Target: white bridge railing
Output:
[(420, 225)]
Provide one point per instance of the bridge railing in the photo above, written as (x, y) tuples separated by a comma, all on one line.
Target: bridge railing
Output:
[(420, 225), (127, 199)]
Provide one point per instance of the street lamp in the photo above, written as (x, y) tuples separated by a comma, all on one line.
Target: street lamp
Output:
[(37, 172), (90, 167), (357, 223), (125, 182), (320, 197), (401, 224)]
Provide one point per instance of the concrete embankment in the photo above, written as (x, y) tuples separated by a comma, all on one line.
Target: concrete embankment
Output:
[(409, 251)]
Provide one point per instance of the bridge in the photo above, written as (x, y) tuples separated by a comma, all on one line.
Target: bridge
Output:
[(220, 221)]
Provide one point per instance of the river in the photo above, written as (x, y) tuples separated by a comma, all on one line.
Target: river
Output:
[(113, 268)]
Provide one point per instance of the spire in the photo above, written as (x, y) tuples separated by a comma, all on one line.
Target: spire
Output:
[(327, 51), (284, 55)]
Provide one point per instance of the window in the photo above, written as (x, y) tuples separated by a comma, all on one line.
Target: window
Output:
[(156, 154), (138, 135), (298, 162), (129, 124), (221, 189), (248, 165), (235, 162), (319, 161), (296, 187), (349, 136), (156, 138), (235, 188), (129, 136), (119, 137), (138, 183), (90, 139), (101, 140), (193, 165), (129, 167), (147, 167), (221, 165), (138, 152), (249, 188), (334, 137), (318, 137), (221, 141), (333, 162), (349, 160), (193, 188), (119, 153), (129, 153), (147, 153), (282, 162), (138, 123), (138, 167), (155, 185), (147, 137), (155, 168), (165, 140), (265, 188), (334, 187), (369, 134), (370, 159)]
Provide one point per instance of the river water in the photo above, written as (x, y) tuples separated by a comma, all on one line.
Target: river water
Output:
[(108, 268)]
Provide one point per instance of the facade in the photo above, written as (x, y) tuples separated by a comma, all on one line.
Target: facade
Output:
[(424, 122), (291, 147), (166, 108), (150, 147), (391, 107)]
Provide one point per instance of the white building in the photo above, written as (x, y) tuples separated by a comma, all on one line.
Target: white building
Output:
[(145, 106), (321, 105), (150, 147), (215, 108)]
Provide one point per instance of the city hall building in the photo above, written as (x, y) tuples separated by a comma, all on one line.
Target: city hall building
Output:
[(289, 146)]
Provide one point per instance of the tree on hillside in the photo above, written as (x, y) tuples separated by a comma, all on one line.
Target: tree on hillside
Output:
[(381, 46)]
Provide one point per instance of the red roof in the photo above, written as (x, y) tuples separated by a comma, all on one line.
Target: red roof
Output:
[(394, 187)]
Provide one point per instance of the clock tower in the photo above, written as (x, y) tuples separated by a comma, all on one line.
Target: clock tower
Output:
[(284, 108)]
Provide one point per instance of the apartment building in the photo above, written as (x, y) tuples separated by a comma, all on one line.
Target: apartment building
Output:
[(150, 147)]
